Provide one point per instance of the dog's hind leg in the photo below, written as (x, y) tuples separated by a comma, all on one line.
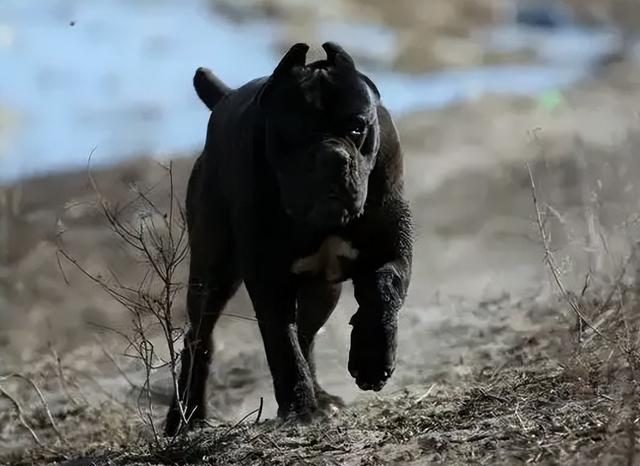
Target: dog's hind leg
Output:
[(212, 283), (316, 301), (213, 280)]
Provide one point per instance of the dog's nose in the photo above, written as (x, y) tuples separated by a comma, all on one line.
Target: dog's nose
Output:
[(344, 156), (341, 159), (334, 159)]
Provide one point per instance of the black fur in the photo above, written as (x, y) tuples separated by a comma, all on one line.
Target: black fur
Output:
[(289, 160), (209, 88)]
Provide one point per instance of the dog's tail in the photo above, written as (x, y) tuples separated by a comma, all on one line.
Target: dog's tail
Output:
[(209, 87)]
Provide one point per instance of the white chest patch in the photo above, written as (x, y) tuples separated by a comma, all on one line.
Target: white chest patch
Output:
[(328, 260)]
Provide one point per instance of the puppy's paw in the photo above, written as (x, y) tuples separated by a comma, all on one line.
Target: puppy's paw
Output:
[(329, 404), (174, 424), (298, 412), (373, 350)]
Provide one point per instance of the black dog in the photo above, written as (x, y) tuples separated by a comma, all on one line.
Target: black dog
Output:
[(299, 188)]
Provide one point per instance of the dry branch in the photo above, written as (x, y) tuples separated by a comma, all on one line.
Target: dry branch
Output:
[(21, 417), (551, 263), (160, 240)]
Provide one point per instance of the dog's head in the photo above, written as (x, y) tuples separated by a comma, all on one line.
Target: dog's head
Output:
[(322, 135)]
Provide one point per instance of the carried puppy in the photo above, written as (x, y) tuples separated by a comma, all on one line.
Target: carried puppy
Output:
[(299, 188)]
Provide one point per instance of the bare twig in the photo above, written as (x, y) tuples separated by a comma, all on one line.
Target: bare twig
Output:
[(59, 370), (551, 263), (21, 417), (62, 272), (160, 240), (260, 410), (426, 394), (45, 406), (121, 371), (618, 279), (244, 418)]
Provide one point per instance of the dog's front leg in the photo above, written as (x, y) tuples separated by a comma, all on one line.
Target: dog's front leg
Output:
[(380, 291), (275, 308)]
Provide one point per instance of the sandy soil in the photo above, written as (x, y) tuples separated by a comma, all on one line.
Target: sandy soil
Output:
[(492, 367)]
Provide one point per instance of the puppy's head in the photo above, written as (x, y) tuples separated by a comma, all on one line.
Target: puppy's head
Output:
[(322, 135)]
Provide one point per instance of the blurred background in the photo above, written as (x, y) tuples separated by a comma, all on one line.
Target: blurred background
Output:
[(115, 75), (478, 88)]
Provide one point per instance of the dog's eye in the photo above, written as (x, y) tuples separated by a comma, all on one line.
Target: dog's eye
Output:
[(357, 130)]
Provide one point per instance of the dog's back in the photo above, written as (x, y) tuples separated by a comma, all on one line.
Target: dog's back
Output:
[(224, 172)]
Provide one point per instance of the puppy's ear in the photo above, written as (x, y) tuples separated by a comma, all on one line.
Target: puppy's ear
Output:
[(337, 56), (296, 56), (371, 85)]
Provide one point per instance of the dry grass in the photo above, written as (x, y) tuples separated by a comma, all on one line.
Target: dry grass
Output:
[(531, 408), (544, 400)]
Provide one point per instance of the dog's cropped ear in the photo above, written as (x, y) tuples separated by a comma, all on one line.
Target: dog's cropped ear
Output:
[(295, 57), (337, 56), (371, 85)]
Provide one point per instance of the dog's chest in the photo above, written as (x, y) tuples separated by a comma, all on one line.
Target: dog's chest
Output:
[(332, 261)]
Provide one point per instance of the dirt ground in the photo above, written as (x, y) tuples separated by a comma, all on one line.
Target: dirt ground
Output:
[(494, 367)]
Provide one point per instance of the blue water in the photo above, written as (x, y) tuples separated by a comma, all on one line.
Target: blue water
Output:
[(119, 78)]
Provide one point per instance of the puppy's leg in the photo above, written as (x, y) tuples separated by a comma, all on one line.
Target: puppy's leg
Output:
[(380, 287), (209, 291), (316, 301), (275, 307), (205, 301), (372, 352), (213, 280)]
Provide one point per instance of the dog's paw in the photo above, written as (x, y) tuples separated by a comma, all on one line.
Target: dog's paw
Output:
[(329, 404), (373, 350), (174, 424), (301, 416)]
